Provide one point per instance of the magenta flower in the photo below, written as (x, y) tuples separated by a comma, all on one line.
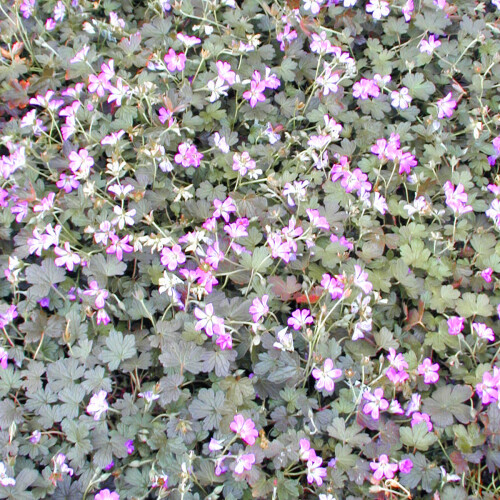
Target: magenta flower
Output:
[(175, 62), (245, 429), (259, 308), (418, 417), (325, 376), (188, 155), (383, 468), (446, 106), (405, 466), (224, 340), (107, 495), (455, 325), (67, 182), (406, 162), (487, 274), (98, 405), (237, 229), (129, 445), (214, 255), (483, 331), (300, 318), (376, 403), (244, 462), (429, 371)]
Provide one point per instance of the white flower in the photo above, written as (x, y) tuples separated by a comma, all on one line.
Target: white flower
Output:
[(285, 340), (4, 479), (217, 88), (313, 5), (378, 8), (98, 405), (168, 282)]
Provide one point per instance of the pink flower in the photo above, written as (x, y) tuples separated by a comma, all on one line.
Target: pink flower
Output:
[(429, 45), (175, 62), (407, 10), (446, 106), (376, 403), (237, 229), (225, 73), (305, 451), (483, 331), (208, 321), (488, 389), (361, 280), (172, 257), (256, 92), (326, 375), (102, 317), (224, 209), (98, 84), (66, 257), (456, 198), (67, 182), (365, 88), (81, 162), (300, 318), (418, 417), (244, 462), (259, 308), (315, 473), (455, 325), (317, 220), (429, 371), (100, 294), (119, 246), (334, 286), (245, 429), (383, 468), (98, 405), (3, 357), (107, 495)]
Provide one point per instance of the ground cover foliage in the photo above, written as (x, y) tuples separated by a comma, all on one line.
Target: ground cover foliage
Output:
[(249, 249)]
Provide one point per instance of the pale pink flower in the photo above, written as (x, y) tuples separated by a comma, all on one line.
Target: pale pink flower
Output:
[(326, 375), (244, 462), (446, 106), (259, 308), (483, 331)]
